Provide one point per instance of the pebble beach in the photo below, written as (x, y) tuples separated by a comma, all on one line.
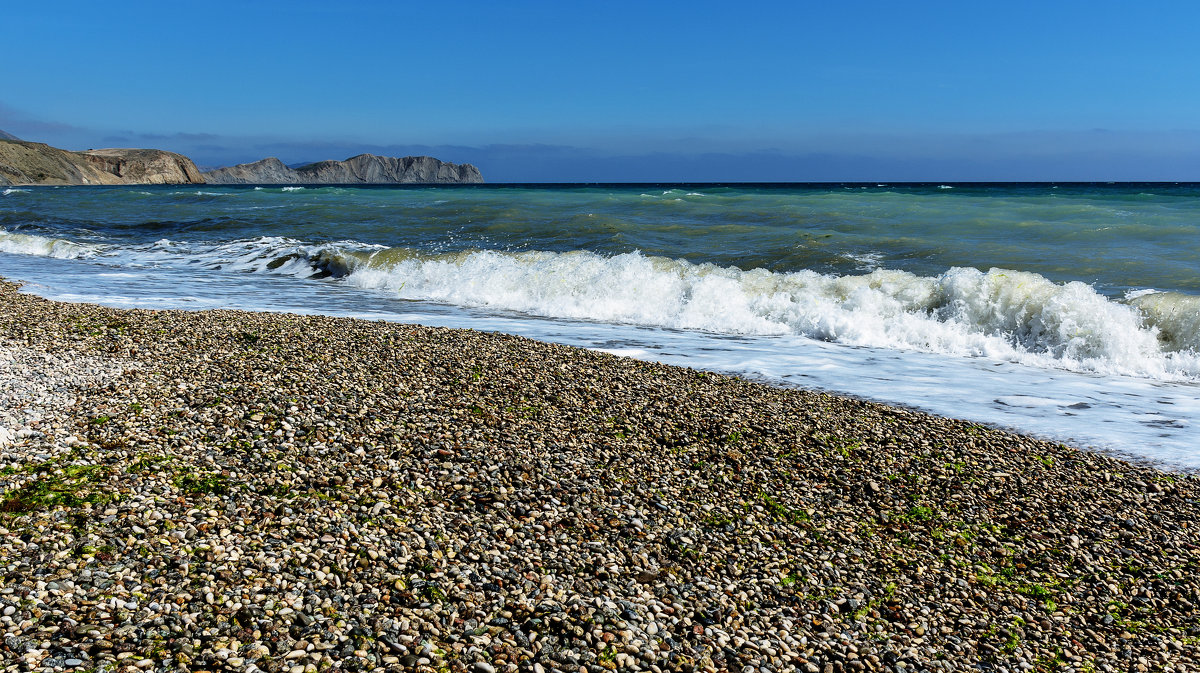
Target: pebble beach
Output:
[(224, 490)]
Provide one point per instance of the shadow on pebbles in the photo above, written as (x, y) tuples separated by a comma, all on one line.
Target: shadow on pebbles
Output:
[(237, 491)]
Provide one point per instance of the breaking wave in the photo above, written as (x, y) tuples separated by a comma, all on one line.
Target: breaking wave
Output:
[(1001, 314), (42, 246)]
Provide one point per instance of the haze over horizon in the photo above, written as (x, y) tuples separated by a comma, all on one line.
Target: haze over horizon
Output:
[(625, 92)]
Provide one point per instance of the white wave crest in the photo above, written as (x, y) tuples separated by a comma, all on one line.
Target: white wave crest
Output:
[(291, 189), (866, 261), (1069, 322), (13, 190), (1014, 316), (1175, 315), (1005, 315), (265, 254), (42, 246)]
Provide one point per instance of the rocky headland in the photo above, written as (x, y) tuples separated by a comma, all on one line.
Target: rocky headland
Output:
[(27, 163), (266, 492), (362, 169)]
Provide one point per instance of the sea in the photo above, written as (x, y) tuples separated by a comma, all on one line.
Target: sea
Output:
[(1064, 311)]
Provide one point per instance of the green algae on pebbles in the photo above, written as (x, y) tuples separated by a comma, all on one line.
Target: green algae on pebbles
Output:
[(239, 491)]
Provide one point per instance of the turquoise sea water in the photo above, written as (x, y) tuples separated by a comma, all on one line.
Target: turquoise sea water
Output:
[(1068, 311)]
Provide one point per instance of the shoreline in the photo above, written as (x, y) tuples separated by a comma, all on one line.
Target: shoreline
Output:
[(262, 491)]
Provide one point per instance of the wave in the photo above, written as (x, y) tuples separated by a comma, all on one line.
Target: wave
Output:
[(1001, 314), (1177, 317), (43, 246), (198, 192), (866, 261), (13, 190)]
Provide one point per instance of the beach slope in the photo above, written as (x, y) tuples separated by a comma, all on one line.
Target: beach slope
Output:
[(232, 490)]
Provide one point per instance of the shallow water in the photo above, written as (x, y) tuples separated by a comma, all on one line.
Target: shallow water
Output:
[(1069, 312)]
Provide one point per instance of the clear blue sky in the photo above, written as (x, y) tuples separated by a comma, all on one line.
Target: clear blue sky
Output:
[(571, 91)]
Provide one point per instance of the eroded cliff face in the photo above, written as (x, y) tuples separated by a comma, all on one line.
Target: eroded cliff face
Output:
[(145, 167), (26, 163), (362, 169)]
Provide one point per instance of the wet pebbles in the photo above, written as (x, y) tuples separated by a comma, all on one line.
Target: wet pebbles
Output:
[(235, 491)]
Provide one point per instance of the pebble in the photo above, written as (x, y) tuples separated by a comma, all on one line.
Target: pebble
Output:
[(278, 492)]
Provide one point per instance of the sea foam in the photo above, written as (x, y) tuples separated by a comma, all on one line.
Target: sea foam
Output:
[(1013, 316), (1009, 315)]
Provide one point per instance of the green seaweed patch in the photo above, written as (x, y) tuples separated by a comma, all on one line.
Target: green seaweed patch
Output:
[(210, 484), (149, 463), (781, 511), (72, 486)]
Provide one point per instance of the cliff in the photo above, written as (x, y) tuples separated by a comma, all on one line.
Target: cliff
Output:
[(25, 163), (145, 167), (362, 169), (269, 171)]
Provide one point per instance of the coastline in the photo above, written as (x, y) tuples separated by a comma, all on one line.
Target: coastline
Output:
[(238, 490)]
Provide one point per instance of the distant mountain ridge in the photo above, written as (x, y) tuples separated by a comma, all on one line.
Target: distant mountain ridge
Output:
[(367, 169), (29, 163)]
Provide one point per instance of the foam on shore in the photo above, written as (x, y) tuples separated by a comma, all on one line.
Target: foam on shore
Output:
[(1015, 316)]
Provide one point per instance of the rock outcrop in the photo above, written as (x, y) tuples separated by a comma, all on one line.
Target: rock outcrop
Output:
[(145, 167), (26, 163), (363, 169), (270, 171)]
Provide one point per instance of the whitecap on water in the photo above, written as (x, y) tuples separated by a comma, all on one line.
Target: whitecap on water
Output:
[(42, 246), (999, 314)]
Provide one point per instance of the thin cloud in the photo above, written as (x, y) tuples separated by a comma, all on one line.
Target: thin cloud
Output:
[(1084, 155), (177, 137), (21, 123)]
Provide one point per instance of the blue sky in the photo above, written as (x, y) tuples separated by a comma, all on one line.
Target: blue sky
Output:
[(616, 91)]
